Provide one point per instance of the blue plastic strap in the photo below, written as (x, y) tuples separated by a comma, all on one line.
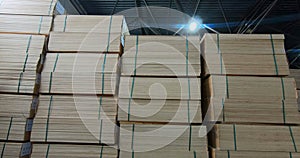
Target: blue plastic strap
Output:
[(190, 138), (27, 50), (100, 133), (48, 118), (65, 23), (49, 10), (227, 87), (20, 80), (50, 82), (55, 63), (283, 111), (291, 156), (7, 136), (101, 151), (40, 24), (293, 139), (234, 137), (48, 150), (133, 78), (228, 154), (109, 31), (283, 88), (274, 55), (223, 109), (195, 154), (132, 138)]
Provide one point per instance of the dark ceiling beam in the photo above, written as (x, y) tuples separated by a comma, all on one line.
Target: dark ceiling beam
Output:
[(78, 7), (114, 8)]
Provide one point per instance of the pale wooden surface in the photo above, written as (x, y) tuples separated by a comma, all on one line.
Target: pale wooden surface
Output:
[(160, 88), (251, 154), (245, 55), (81, 62), (298, 91), (88, 23), (74, 151), (256, 138), (25, 24), (10, 81), (75, 119), (14, 128), (15, 105), (141, 138), (161, 56), (296, 74), (256, 111), (175, 111), (237, 87), (20, 52), (11, 150), (78, 83), (29, 7)]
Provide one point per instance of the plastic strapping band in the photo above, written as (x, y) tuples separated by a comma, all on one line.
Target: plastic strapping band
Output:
[(40, 24), (27, 50), (220, 54), (228, 154), (234, 137), (292, 136), (223, 109), (227, 87), (48, 149), (190, 138), (283, 111), (49, 11), (274, 55), (283, 89), (101, 152), (133, 78), (102, 88), (109, 31), (55, 63), (195, 154), (100, 133), (187, 75), (48, 117), (132, 154), (132, 138), (20, 80), (50, 82), (291, 156), (65, 23), (7, 136)]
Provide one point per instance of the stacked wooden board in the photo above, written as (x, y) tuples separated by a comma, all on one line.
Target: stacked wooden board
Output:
[(149, 140), (296, 74), (246, 92), (74, 33), (74, 151), (160, 84), (12, 150), (250, 55)]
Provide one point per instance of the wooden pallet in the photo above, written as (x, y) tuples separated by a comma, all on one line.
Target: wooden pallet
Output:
[(81, 62), (160, 88), (253, 55), (25, 24), (296, 74), (255, 138), (254, 111), (89, 23), (74, 151), (161, 56), (77, 119), (15, 105), (164, 111), (139, 138), (20, 52), (251, 154), (28, 7)]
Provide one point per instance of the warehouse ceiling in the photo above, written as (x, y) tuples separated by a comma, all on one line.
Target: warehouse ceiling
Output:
[(225, 16)]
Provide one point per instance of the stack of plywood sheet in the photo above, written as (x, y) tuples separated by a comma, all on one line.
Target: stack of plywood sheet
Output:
[(74, 33), (75, 119), (146, 140), (251, 55), (74, 151), (160, 84), (251, 154), (296, 74), (13, 150), (247, 84)]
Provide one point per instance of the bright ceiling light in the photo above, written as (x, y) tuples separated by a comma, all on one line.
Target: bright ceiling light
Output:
[(193, 26)]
